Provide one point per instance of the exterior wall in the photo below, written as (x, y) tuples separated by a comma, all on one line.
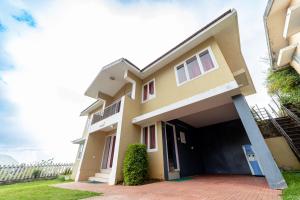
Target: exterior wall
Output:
[(294, 39), (282, 153), (91, 160), (166, 89), (156, 165)]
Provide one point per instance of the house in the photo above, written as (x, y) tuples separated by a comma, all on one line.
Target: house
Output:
[(188, 106), (282, 26)]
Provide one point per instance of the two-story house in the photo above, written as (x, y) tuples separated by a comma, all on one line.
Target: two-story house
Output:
[(282, 24), (187, 107)]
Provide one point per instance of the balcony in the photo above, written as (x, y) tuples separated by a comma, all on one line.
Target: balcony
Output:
[(107, 112)]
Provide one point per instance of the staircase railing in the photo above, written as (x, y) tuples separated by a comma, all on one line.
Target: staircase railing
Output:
[(283, 133), (290, 114)]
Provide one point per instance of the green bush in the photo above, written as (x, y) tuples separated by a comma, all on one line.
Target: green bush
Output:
[(135, 167)]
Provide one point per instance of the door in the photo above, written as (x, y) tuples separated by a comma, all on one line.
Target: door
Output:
[(108, 154), (252, 161), (172, 152)]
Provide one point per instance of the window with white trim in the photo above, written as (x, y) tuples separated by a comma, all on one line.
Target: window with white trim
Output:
[(80, 151), (149, 137), (148, 91), (195, 66)]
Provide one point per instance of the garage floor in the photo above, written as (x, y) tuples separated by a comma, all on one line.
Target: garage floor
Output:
[(200, 188)]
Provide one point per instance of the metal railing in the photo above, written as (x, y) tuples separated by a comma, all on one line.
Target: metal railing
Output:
[(290, 114), (107, 112), (283, 133)]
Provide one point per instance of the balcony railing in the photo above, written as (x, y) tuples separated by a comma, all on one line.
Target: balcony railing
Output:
[(108, 111)]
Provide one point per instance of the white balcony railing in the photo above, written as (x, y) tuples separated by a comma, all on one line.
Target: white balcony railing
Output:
[(107, 112)]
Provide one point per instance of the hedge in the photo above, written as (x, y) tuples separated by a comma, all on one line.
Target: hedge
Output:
[(135, 167)]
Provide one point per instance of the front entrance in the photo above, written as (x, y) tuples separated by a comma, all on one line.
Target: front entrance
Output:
[(172, 152), (108, 154)]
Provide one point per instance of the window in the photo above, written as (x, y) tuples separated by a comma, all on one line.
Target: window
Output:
[(195, 66), (181, 74), (148, 90), (206, 61), (80, 151), (149, 137)]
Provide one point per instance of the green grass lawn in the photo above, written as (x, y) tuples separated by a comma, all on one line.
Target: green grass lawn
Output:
[(293, 181), (41, 190)]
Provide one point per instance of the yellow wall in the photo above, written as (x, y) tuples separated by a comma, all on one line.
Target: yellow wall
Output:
[(166, 89), (156, 164), (92, 157), (295, 39), (282, 153)]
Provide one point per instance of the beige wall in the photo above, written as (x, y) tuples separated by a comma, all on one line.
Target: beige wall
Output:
[(92, 157), (282, 153), (295, 39), (166, 89), (156, 160)]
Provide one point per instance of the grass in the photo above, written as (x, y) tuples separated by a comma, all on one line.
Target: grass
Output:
[(41, 190), (293, 190)]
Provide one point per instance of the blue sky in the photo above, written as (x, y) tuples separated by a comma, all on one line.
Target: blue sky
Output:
[(51, 50)]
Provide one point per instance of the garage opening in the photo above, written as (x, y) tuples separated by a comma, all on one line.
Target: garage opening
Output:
[(213, 141)]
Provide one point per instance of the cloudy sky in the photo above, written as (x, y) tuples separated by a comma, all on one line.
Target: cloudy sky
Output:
[(51, 50)]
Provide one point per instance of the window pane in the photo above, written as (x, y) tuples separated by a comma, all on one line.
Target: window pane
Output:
[(206, 61), (193, 67), (145, 95), (152, 137), (151, 88), (145, 136), (181, 74)]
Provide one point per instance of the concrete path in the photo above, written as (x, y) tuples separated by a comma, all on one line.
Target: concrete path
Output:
[(200, 188)]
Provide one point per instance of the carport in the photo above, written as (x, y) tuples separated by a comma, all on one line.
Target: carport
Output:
[(207, 142)]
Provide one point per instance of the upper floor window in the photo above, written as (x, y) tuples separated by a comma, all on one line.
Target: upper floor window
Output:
[(195, 66), (149, 137), (148, 90)]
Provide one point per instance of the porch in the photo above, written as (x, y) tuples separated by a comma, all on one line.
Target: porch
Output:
[(97, 161)]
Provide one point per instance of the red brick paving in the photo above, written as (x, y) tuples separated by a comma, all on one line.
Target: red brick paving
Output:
[(200, 188)]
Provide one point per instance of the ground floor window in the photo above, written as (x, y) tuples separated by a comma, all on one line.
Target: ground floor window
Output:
[(80, 151), (149, 137)]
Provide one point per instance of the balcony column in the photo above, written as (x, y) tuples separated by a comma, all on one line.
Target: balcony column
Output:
[(269, 167)]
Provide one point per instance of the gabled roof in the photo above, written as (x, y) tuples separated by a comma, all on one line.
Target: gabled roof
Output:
[(217, 28)]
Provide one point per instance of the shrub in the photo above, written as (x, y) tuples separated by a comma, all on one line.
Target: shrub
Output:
[(135, 167), (36, 173)]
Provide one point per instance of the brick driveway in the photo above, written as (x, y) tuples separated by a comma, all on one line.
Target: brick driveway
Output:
[(200, 188)]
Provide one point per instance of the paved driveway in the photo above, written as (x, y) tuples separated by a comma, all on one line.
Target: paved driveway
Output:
[(200, 188)]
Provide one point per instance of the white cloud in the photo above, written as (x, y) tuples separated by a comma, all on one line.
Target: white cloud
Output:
[(56, 62)]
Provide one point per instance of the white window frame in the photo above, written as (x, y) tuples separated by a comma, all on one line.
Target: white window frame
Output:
[(148, 95), (142, 134), (80, 154), (209, 49)]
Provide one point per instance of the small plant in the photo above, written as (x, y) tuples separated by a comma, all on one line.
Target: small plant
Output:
[(135, 167), (36, 173)]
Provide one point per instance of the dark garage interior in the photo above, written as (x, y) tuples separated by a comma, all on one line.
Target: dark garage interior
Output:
[(212, 149)]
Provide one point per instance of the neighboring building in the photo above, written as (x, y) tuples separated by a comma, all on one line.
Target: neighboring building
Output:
[(187, 106), (282, 24)]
